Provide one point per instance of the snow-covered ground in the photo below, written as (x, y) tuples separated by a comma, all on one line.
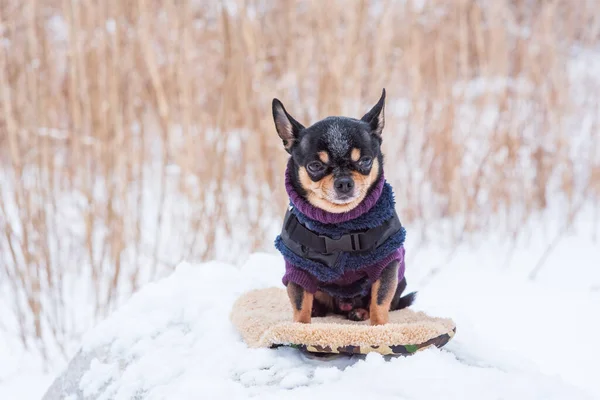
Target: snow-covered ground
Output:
[(516, 338)]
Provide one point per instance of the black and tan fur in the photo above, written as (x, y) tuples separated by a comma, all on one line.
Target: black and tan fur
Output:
[(337, 161)]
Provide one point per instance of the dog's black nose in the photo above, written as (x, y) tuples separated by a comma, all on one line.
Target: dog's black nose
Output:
[(344, 185)]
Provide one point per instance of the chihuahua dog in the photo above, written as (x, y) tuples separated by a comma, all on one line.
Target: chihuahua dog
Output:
[(342, 241)]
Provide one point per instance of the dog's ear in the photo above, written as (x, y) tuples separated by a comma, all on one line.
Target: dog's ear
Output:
[(375, 117), (287, 127)]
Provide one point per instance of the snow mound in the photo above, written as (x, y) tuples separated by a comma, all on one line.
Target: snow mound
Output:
[(173, 340)]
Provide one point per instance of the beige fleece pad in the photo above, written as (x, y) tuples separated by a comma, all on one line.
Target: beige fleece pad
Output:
[(264, 319)]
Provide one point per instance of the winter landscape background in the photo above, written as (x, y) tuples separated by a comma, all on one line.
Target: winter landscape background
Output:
[(136, 139)]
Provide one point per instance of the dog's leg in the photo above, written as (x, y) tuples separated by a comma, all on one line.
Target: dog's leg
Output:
[(382, 293), (399, 302), (302, 302)]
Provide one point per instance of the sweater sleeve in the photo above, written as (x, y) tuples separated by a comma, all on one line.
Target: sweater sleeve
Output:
[(299, 277), (374, 271)]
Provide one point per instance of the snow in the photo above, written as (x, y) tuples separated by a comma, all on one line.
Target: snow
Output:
[(516, 338), (24, 385), (22, 374)]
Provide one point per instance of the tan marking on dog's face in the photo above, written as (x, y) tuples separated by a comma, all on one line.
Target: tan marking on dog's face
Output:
[(321, 194), (323, 156), (355, 154)]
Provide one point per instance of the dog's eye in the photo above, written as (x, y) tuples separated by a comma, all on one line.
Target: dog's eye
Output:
[(315, 167), (365, 162)]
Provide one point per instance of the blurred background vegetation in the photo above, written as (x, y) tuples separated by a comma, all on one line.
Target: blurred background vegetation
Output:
[(137, 134)]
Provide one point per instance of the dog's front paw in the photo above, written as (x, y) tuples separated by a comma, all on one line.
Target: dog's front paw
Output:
[(358, 314)]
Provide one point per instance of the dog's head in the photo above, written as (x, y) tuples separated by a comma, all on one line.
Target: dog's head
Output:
[(336, 160)]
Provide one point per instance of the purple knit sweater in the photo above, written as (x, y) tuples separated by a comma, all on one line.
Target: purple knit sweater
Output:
[(337, 287)]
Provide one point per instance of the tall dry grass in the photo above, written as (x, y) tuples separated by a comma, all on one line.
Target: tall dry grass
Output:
[(135, 134)]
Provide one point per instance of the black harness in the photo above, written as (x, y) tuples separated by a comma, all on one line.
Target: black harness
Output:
[(324, 249)]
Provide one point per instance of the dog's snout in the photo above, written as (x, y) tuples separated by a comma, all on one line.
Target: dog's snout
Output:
[(344, 185)]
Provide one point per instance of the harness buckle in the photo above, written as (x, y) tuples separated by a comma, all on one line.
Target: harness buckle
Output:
[(344, 243)]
